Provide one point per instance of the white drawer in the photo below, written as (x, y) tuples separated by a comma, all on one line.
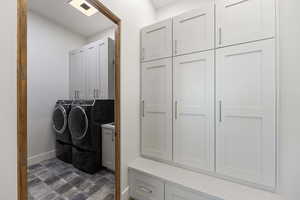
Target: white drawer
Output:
[(175, 192), (144, 187)]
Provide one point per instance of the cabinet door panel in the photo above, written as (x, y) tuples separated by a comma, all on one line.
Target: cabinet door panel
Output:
[(157, 109), (240, 21), (194, 110), (108, 151), (78, 73), (92, 64), (103, 70), (157, 41), (246, 112), (194, 31)]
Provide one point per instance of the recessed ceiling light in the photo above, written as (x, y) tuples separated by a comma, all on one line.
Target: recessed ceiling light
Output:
[(84, 7)]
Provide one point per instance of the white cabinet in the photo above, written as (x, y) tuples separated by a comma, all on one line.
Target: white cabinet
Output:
[(106, 69), (175, 192), (193, 90), (156, 109), (240, 21), (194, 31), (156, 41), (92, 71), (108, 146), (245, 129), (77, 75)]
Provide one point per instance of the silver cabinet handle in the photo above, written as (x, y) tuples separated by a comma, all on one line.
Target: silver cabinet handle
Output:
[(220, 36), (145, 189), (78, 94), (176, 47), (143, 53), (220, 111), (176, 110), (143, 108), (112, 136), (95, 94)]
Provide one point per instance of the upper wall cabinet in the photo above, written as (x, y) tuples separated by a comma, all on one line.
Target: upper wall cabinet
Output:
[(194, 31), (77, 74), (245, 129), (240, 21), (157, 41), (92, 74)]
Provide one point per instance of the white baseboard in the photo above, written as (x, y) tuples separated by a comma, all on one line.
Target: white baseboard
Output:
[(41, 157), (125, 194)]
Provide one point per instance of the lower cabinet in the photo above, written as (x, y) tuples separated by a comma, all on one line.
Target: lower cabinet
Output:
[(176, 192), (144, 187), (108, 147)]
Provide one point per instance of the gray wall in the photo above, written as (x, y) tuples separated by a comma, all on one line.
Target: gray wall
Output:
[(48, 79)]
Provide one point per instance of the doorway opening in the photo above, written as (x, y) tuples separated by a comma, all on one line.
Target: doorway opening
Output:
[(68, 84)]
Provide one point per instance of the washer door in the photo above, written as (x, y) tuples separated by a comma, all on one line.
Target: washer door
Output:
[(78, 123), (59, 119)]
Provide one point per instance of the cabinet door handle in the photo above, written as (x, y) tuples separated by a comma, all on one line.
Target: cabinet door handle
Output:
[(220, 36), (78, 94), (95, 93), (176, 47), (145, 190), (143, 108), (176, 110), (143, 53), (220, 111)]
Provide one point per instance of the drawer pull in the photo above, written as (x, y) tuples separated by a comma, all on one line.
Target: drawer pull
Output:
[(143, 189)]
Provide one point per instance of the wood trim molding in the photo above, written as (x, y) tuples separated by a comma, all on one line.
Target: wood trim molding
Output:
[(22, 96), (22, 99)]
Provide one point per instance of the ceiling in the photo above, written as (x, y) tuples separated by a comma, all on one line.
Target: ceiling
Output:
[(162, 3), (62, 13)]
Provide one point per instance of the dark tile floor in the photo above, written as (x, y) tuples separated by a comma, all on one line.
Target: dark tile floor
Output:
[(55, 180)]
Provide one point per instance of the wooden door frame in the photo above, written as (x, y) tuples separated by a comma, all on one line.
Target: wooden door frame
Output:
[(22, 96)]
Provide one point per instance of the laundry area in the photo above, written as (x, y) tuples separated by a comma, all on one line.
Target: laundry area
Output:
[(71, 101)]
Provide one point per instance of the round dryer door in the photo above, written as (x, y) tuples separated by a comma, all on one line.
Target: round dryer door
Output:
[(59, 119), (78, 123)]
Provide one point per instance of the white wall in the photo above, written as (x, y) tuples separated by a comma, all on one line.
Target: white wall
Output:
[(48, 78), (289, 143), (103, 34), (134, 14), (8, 101), (178, 7)]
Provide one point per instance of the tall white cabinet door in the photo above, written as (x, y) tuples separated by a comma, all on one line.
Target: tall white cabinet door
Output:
[(194, 110), (92, 80), (103, 70), (194, 31), (156, 109), (246, 112), (157, 41), (240, 21), (77, 74)]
